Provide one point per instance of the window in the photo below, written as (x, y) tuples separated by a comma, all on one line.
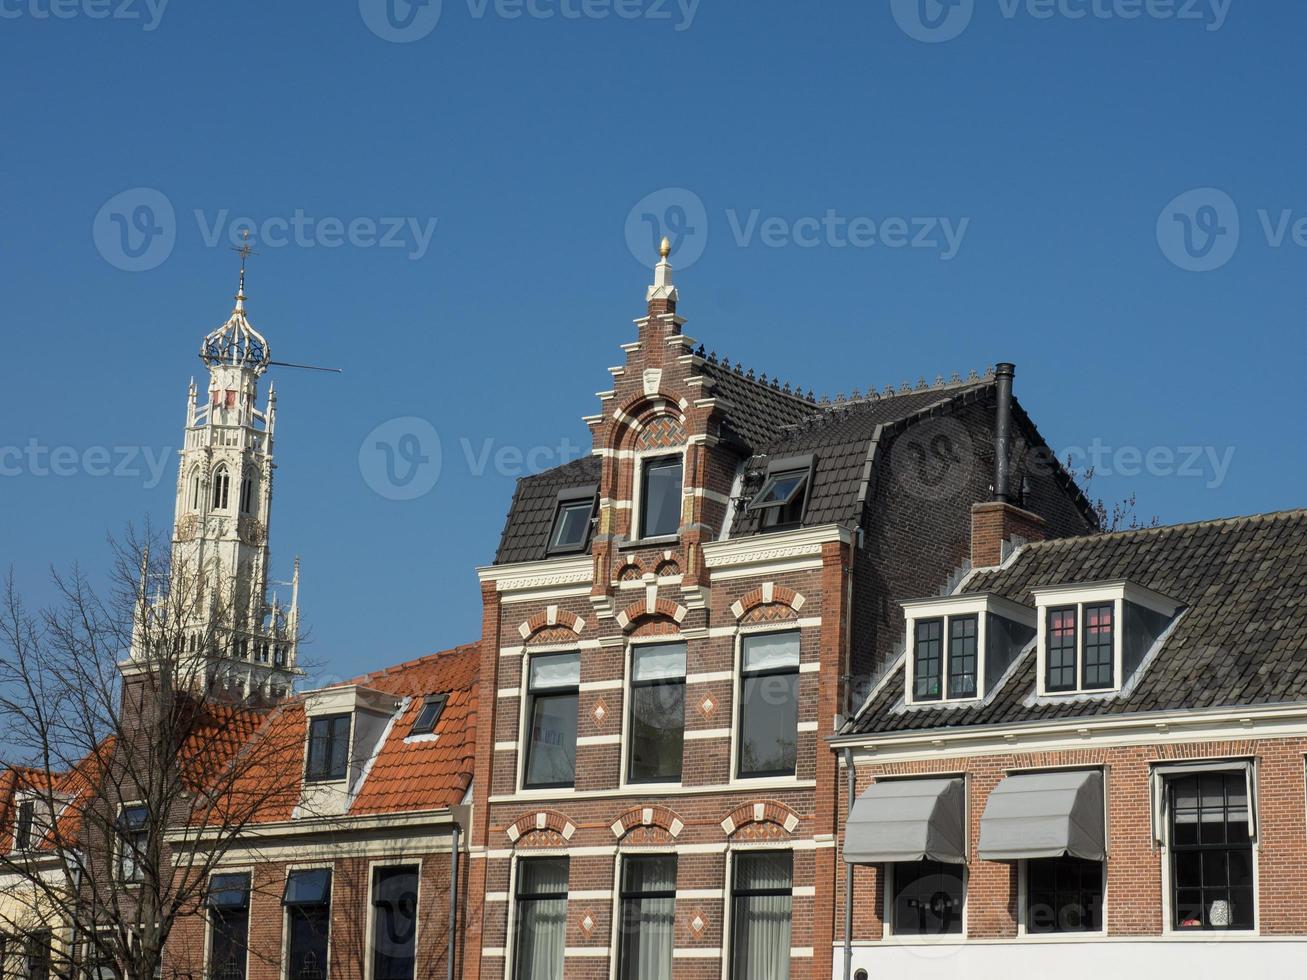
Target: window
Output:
[(648, 917), (1211, 851), (429, 716), (1100, 653), (660, 497), (328, 748), (1068, 667), (36, 955), (552, 687), (247, 493), (769, 704), (1064, 894), (221, 488), (571, 527), (927, 898), (541, 919), (928, 660), (394, 923), (26, 822), (784, 494), (196, 483), (761, 903), (307, 900), (657, 713), (229, 926), (133, 843), (1060, 673)]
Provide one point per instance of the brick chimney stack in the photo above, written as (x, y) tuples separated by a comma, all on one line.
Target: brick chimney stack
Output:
[(999, 522)]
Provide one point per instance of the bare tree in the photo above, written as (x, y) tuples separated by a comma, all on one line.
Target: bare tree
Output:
[(1121, 515), (136, 760)]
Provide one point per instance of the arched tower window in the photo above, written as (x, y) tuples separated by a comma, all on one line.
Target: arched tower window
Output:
[(196, 484), (247, 493), (221, 488)]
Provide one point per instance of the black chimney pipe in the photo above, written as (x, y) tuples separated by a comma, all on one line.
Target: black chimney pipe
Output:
[(1003, 374)]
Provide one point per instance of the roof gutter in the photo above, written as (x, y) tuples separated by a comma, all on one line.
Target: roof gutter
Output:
[(317, 825)]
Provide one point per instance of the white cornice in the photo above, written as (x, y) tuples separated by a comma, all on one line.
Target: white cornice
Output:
[(190, 836), (762, 549), (528, 575), (969, 602)]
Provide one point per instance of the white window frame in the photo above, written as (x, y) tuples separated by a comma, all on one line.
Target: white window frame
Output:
[(615, 943), (369, 953), (728, 892), (638, 462), (737, 706), (510, 934), (331, 907), (628, 715), (1162, 838), (523, 700), (208, 924), (978, 604), (1116, 593), (119, 844)]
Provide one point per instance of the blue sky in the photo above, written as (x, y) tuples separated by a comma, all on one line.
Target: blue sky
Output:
[(863, 193)]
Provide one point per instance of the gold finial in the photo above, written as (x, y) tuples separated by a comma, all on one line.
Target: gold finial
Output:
[(665, 249)]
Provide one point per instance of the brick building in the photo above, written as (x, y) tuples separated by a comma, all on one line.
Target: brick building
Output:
[(672, 629), (1120, 768)]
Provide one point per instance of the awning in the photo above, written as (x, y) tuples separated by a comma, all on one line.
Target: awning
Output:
[(1043, 815), (908, 820)]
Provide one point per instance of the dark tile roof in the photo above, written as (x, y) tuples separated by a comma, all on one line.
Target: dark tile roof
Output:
[(756, 410), (1240, 640), (531, 514)]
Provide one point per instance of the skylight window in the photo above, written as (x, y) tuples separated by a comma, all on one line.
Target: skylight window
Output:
[(432, 708), (571, 528), (783, 498)]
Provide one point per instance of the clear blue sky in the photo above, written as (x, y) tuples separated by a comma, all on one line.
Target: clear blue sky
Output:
[(1050, 146)]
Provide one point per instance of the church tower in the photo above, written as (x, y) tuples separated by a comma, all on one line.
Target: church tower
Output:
[(243, 644)]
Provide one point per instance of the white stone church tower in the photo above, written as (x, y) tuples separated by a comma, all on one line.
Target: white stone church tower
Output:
[(244, 644)]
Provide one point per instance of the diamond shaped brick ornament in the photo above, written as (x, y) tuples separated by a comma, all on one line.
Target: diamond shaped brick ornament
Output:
[(708, 706), (600, 713), (587, 923), (697, 924)]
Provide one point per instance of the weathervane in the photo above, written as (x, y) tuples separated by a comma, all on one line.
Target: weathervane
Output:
[(244, 250)]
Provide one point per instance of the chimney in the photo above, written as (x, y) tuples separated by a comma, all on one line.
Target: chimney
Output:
[(998, 525)]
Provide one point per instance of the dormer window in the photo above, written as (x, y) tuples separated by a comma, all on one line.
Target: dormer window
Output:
[(23, 833), (1094, 637), (784, 494), (660, 496), (328, 748), (570, 532), (432, 708), (960, 646)]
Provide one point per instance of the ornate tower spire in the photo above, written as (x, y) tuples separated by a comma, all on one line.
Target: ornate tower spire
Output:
[(244, 644)]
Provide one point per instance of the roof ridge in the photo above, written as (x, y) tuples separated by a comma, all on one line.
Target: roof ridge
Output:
[(1266, 516), (793, 392), (363, 679), (872, 396)]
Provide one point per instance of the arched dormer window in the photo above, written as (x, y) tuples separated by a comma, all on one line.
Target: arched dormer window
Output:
[(221, 488), (196, 488), (247, 493)]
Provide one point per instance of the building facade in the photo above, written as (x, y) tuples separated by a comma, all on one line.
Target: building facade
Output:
[(672, 630)]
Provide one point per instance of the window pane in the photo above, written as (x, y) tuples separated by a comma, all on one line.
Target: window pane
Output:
[(962, 657), (657, 731), (1060, 639), (1064, 895), (927, 660), (426, 720), (329, 747), (761, 909), (660, 498), (551, 749), (395, 901), (781, 489), (229, 891), (572, 525), (770, 651), (1100, 657), (229, 933), (555, 670), (647, 918), (769, 721), (927, 898), (1211, 854), (308, 887), (310, 927), (541, 919), (658, 662)]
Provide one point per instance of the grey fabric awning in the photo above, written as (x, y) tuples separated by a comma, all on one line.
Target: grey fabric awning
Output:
[(1044, 814), (908, 820)]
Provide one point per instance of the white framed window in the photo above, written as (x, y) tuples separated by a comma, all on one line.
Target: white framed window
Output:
[(1092, 637), (958, 646), (228, 903), (552, 686), (925, 898), (1062, 896), (767, 699), (659, 491), (394, 916), (538, 931), (655, 710), (306, 906), (133, 842), (646, 916), (760, 906)]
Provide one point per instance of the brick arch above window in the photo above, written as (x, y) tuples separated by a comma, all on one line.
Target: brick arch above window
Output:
[(551, 621), (767, 594), (761, 820), (659, 432), (541, 828), (645, 824), (633, 615)]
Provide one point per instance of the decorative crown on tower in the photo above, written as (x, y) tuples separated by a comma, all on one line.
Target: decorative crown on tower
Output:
[(236, 342)]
